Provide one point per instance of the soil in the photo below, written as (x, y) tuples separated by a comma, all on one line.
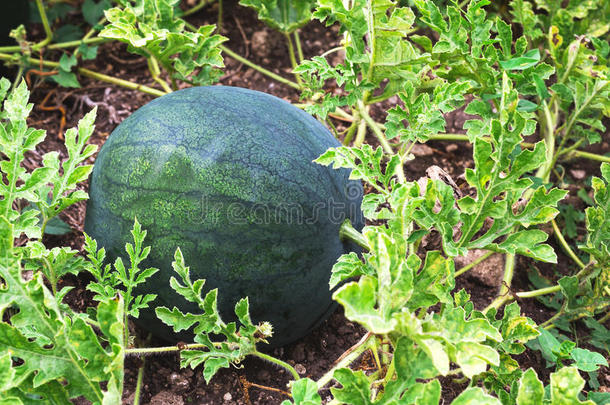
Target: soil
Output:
[(255, 381)]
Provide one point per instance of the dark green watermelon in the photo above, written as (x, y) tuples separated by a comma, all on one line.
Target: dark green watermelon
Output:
[(226, 174)]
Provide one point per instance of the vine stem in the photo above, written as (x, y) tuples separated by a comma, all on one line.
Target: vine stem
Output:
[(144, 351), (504, 294), (196, 8), (293, 59), (297, 41), (45, 25), (375, 128), (564, 244), (360, 134), (351, 131), (260, 69), (278, 362), (95, 75), (249, 63), (220, 13), (348, 232), (534, 293), (153, 67), (139, 381), (539, 292), (347, 358), (590, 156), (473, 263), (464, 138), (59, 45), (400, 172)]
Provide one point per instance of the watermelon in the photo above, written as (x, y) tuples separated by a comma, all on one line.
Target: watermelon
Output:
[(226, 174)]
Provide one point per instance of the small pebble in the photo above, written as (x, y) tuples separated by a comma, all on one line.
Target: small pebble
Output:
[(300, 369), (227, 397), (178, 381), (422, 150), (452, 147), (578, 174)]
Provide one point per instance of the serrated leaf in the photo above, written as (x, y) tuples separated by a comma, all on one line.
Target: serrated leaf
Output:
[(283, 15), (304, 392), (346, 267), (355, 388), (598, 218), (359, 302), (157, 32)]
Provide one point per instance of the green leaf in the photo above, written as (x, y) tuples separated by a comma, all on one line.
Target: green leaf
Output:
[(87, 52), (600, 336), (516, 329), (304, 392), (283, 15), (522, 12), (52, 347), (93, 10), (423, 114), (56, 226), (236, 344), (365, 163), (423, 394), (499, 179), (348, 266), (531, 389), (155, 31), (549, 344), (475, 396), (355, 388), (598, 219), (566, 385), (526, 61), (359, 302), (474, 357), (586, 360)]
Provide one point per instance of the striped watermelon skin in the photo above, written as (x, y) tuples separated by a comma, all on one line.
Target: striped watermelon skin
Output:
[(226, 174)]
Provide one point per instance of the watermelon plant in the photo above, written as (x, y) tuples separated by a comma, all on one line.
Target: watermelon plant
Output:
[(520, 69)]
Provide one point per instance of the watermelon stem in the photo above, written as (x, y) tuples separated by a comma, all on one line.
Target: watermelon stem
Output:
[(139, 382), (352, 130), (45, 24), (348, 233), (196, 8), (297, 41), (279, 362), (347, 358), (293, 59), (94, 75)]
